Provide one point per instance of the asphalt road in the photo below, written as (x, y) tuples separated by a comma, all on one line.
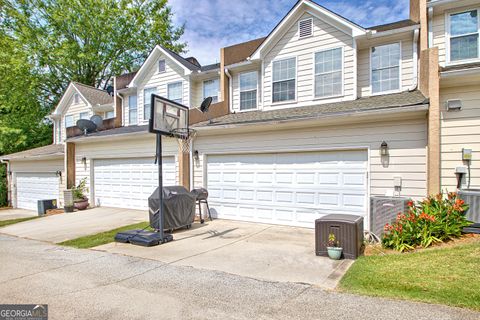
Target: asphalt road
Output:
[(87, 284)]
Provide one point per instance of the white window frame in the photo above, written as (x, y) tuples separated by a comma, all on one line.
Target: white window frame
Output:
[(143, 103), (342, 93), (448, 14), (65, 121), (83, 114), (240, 91), (296, 82), (175, 82), (399, 70), (129, 109), (76, 98), (203, 88), (298, 28), (164, 66)]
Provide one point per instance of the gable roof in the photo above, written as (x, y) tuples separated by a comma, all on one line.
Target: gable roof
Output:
[(91, 95), (316, 9), (50, 151)]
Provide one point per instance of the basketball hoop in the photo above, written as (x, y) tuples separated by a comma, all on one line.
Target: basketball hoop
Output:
[(184, 137)]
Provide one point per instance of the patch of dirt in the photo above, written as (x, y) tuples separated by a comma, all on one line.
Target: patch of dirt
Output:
[(377, 249), (51, 212)]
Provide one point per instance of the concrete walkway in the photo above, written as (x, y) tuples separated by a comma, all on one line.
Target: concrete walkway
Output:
[(66, 226), (10, 214), (87, 284)]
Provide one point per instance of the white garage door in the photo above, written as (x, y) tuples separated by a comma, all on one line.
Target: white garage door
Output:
[(127, 183), (32, 187), (287, 188)]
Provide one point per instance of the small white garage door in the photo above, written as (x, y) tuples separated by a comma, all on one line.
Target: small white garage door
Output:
[(287, 188), (127, 183), (32, 187)]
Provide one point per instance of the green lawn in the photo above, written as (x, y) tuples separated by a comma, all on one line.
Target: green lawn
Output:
[(5, 223), (449, 275), (101, 238)]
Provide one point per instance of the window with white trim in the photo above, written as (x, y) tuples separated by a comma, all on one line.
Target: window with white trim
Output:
[(109, 114), (385, 68), (328, 73), (175, 91), (69, 121), (84, 115), (147, 101), (76, 98), (305, 28), (284, 80), (132, 110), (210, 89), (464, 33), (248, 90), (161, 66)]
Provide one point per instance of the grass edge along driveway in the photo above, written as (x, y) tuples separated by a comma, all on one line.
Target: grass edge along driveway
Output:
[(5, 223), (448, 275)]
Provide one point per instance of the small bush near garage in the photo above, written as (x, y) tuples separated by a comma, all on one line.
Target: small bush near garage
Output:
[(3, 186), (433, 220)]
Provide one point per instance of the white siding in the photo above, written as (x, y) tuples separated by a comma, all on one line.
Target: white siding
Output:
[(139, 146), (406, 140), (406, 71), (438, 29), (324, 37), (460, 129), (73, 109)]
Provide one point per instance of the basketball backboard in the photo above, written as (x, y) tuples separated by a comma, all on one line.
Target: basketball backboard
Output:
[(167, 116)]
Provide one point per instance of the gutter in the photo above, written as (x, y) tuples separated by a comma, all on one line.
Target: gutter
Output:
[(414, 85), (230, 85), (434, 3), (430, 27), (375, 34), (459, 72)]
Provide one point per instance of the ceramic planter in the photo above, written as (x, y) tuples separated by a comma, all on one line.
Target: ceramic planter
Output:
[(334, 253), (81, 204)]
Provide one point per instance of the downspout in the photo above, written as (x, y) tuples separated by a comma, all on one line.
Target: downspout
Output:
[(430, 27), (416, 34), (355, 71), (191, 165), (123, 109), (230, 84)]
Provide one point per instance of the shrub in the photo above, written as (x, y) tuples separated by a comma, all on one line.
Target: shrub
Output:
[(80, 191), (433, 220)]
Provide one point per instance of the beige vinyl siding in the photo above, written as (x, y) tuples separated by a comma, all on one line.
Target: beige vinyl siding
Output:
[(460, 129), (173, 73), (406, 71), (138, 146), (197, 93), (74, 109), (439, 40), (236, 88), (50, 166), (407, 141), (324, 37)]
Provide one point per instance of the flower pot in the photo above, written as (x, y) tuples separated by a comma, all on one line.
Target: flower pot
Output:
[(81, 204), (334, 253)]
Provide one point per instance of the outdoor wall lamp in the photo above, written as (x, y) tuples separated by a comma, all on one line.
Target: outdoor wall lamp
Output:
[(58, 173), (384, 149), (84, 160), (196, 156)]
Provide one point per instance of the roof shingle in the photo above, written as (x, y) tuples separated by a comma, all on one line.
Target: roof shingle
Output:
[(93, 95), (52, 150)]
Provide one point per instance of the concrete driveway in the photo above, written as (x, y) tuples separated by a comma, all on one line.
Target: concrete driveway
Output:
[(10, 214), (66, 226), (260, 251)]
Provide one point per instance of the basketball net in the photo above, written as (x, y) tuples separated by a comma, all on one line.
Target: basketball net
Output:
[(184, 138)]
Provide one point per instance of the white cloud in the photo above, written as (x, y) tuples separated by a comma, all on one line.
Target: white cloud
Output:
[(212, 24)]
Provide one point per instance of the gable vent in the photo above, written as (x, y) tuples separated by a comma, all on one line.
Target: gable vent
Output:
[(305, 28)]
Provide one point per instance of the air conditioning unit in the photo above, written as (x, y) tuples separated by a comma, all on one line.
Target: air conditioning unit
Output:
[(472, 198), (384, 210)]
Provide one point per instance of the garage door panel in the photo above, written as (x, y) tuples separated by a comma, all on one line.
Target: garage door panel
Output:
[(127, 183), (32, 187), (287, 188)]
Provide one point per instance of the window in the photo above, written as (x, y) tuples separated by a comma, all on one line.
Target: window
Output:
[(175, 91), (147, 97), (248, 90), (328, 73), (284, 73), (132, 109), (109, 114), (464, 34), (210, 89), (76, 98), (161, 66), (305, 28), (69, 121), (84, 115), (385, 61)]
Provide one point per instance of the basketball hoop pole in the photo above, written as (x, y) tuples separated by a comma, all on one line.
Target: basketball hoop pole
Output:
[(160, 184)]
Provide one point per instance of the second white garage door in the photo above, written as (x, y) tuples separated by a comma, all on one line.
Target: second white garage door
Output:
[(32, 187), (287, 188), (127, 183)]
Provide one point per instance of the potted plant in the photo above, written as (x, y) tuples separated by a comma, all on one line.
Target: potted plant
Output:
[(333, 247), (80, 200)]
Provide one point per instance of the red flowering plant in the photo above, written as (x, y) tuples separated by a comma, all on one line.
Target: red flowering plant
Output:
[(433, 220)]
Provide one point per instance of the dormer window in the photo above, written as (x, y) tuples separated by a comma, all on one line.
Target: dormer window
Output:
[(161, 66), (464, 33), (76, 98), (305, 28), (385, 68)]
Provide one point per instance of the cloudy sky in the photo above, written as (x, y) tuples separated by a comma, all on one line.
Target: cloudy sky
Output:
[(212, 24)]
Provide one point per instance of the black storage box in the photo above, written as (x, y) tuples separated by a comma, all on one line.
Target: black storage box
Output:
[(348, 231), (44, 205)]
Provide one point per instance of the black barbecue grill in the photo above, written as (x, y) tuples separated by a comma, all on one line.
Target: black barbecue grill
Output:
[(201, 195)]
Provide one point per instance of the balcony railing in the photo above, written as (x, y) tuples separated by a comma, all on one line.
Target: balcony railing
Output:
[(106, 125)]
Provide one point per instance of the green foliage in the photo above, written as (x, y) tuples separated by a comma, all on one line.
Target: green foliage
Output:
[(332, 241), (3, 186), (80, 191), (5, 223), (433, 220)]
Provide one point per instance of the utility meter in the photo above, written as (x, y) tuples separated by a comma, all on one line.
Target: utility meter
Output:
[(466, 154)]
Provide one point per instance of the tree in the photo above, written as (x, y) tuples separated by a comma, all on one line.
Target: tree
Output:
[(89, 41)]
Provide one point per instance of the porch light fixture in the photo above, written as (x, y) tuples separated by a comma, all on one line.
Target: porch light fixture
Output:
[(84, 160), (384, 149), (196, 156)]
